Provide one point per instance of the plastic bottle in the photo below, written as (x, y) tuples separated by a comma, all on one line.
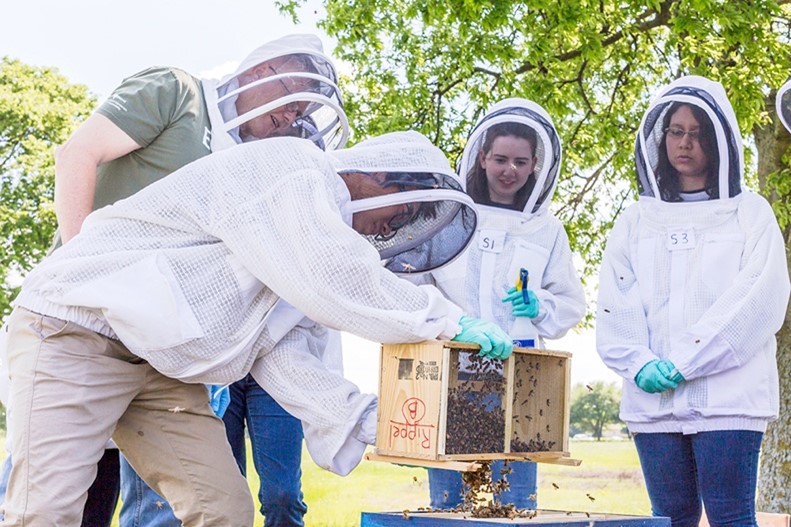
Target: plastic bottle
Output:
[(523, 333)]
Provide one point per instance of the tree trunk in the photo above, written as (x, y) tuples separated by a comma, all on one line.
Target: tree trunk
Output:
[(774, 478)]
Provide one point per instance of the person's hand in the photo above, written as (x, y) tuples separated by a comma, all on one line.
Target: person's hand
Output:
[(653, 377), (669, 370), (520, 307), (494, 342), (219, 399)]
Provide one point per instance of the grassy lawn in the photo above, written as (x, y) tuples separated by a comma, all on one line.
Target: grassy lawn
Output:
[(610, 473)]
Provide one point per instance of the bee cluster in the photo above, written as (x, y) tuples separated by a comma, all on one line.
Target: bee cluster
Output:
[(480, 482), (534, 409), (475, 413)]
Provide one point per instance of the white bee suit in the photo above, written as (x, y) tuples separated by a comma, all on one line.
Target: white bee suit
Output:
[(186, 273), (507, 240), (703, 284)]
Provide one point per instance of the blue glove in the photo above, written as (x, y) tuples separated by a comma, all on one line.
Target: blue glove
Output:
[(520, 306), (653, 377), (494, 342), (219, 399)]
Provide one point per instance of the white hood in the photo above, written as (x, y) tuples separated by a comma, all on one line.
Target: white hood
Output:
[(547, 149), (425, 178), (783, 104), (710, 97), (323, 121)]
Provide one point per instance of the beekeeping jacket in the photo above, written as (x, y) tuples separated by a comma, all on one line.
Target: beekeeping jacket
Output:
[(703, 284), (187, 271), (508, 240), (323, 121)]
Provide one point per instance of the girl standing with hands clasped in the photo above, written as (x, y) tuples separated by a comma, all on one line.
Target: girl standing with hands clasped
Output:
[(693, 287), (511, 164)]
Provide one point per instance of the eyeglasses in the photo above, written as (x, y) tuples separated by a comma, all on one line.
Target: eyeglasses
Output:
[(293, 106), (679, 133), (404, 218)]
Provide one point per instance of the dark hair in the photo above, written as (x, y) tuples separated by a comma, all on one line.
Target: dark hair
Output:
[(667, 176), (478, 185)]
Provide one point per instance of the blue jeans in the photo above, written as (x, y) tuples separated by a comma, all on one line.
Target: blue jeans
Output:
[(276, 440), (141, 506), (720, 468), (446, 488)]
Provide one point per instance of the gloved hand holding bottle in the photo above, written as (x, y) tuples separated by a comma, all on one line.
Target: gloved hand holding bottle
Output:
[(494, 342), (524, 302), (657, 376)]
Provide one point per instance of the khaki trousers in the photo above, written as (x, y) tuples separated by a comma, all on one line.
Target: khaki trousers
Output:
[(73, 389)]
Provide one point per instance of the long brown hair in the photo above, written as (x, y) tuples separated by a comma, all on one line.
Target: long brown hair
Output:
[(478, 185)]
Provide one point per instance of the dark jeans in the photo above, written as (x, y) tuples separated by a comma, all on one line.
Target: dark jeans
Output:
[(276, 440), (446, 489), (719, 468)]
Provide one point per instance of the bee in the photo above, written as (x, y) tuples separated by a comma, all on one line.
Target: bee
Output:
[(176, 409), (590, 497), (588, 514), (408, 266), (159, 504), (589, 387), (414, 478), (406, 514), (555, 485)]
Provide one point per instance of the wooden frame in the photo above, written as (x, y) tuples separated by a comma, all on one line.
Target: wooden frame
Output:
[(439, 404)]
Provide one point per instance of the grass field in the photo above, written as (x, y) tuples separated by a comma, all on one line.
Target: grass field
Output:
[(610, 473)]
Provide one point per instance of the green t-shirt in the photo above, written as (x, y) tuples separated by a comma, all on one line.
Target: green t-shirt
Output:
[(162, 110)]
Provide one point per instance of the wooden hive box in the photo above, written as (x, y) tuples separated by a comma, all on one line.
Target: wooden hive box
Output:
[(439, 402)]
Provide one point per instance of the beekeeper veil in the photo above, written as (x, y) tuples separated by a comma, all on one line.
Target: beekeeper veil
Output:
[(718, 136), (434, 220), (287, 87), (518, 118), (783, 104)]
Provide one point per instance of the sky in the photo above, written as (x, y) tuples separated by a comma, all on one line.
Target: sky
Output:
[(99, 42)]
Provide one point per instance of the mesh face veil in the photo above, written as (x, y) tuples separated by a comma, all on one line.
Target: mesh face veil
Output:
[(519, 118), (783, 104), (287, 87), (441, 217), (718, 136)]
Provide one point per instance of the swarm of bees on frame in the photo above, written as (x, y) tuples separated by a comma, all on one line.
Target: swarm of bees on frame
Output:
[(476, 418), (527, 375)]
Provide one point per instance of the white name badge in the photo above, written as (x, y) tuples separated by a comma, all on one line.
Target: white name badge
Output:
[(491, 241), (680, 239)]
